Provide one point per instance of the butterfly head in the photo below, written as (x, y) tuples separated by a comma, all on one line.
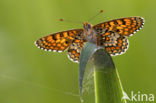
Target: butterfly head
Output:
[(88, 32), (87, 26)]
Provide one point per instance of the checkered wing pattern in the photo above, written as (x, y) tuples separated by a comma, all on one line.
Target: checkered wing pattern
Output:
[(114, 43), (58, 41), (124, 26), (112, 35), (75, 48)]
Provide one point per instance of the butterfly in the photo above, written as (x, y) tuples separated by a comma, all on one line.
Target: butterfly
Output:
[(111, 35)]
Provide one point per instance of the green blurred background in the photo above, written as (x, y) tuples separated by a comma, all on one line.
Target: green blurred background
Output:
[(30, 75)]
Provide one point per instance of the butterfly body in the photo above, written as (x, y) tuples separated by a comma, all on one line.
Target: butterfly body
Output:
[(89, 33), (111, 35)]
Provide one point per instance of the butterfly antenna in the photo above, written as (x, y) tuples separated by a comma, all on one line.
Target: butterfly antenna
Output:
[(101, 11), (79, 22)]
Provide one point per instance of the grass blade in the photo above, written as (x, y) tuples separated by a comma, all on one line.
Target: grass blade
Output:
[(98, 78)]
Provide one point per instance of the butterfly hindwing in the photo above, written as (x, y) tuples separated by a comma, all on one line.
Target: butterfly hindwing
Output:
[(75, 49), (124, 26), (114, 43), (58, 41)]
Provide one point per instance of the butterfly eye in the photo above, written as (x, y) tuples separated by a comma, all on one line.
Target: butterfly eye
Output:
[(89, 26), (84, 26)]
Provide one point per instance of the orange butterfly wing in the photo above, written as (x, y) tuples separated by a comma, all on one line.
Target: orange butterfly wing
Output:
[(75, 48), (112, 34), (114, 43), (124, 26), (58, 41)]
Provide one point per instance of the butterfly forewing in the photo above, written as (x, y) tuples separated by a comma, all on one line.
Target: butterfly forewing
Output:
[(124, 26), (58, 41)]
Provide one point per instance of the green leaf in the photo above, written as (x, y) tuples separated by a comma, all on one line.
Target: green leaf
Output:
[(98, 78)]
